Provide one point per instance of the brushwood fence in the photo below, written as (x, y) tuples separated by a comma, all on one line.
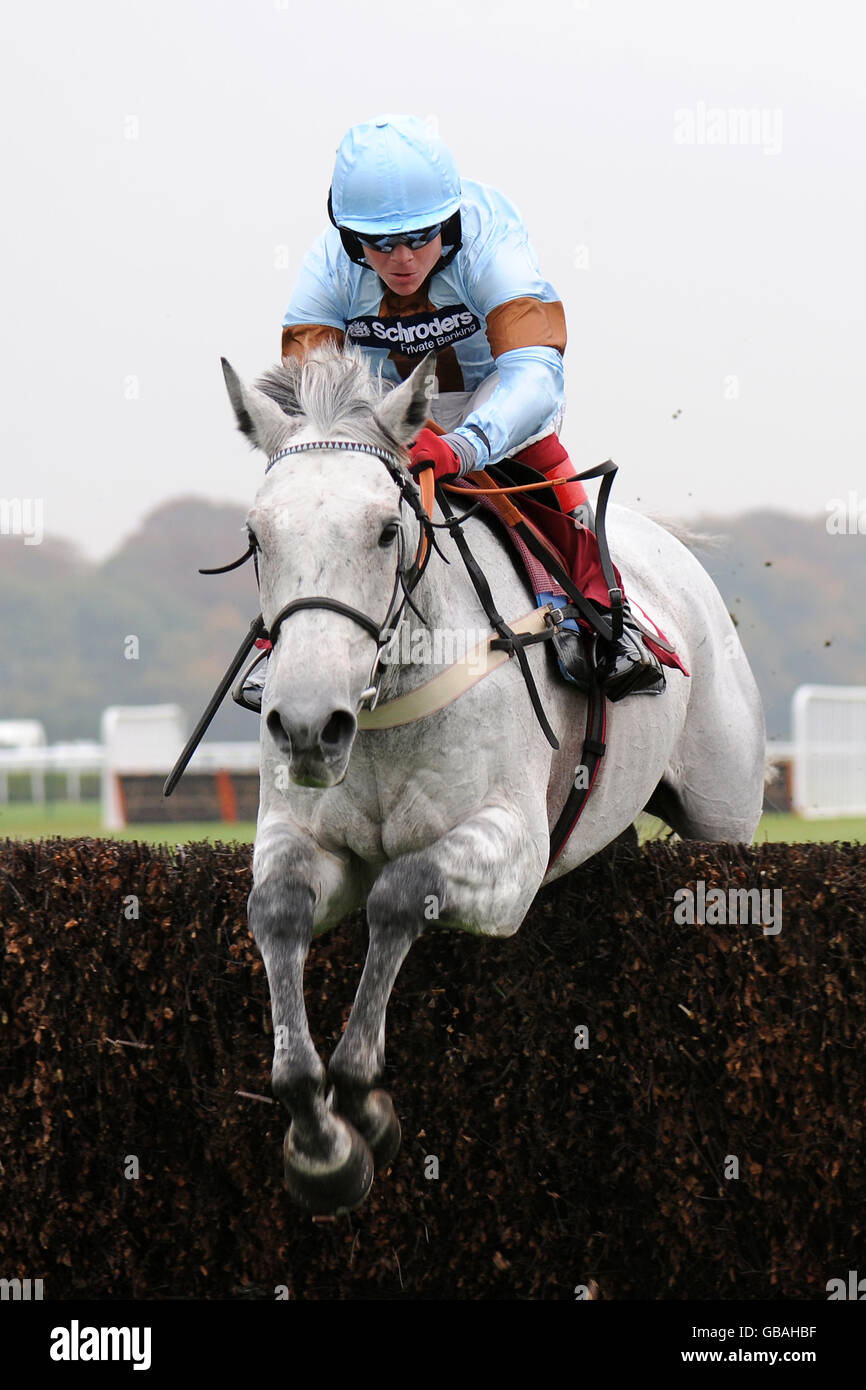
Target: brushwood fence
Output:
[(702, 1138)]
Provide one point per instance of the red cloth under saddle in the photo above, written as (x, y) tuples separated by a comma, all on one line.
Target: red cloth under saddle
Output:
[(577, 549)]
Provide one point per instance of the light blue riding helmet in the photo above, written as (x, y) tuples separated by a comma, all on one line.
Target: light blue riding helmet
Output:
[(393, 174)]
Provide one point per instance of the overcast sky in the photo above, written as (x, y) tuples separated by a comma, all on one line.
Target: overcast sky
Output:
[(167, 164)]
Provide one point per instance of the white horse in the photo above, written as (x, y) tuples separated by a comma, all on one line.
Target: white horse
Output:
[(446, 819)]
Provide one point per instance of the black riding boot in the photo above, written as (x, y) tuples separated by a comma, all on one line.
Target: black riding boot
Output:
[(627, 666)]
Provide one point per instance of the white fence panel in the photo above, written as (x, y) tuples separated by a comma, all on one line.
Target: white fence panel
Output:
[(70, 760), (137, 738), (829, 750), (22, 733), (147, 739)]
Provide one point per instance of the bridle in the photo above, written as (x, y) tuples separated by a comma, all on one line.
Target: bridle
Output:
[(382, 633), (407, 578)]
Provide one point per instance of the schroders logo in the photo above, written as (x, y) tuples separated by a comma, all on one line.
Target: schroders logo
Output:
[(413, 335)]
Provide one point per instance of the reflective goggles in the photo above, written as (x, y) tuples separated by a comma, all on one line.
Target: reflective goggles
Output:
[(414, 240)]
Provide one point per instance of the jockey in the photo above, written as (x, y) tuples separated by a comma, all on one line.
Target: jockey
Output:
[(416, 261)]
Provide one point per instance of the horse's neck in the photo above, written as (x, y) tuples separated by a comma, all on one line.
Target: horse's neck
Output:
[(451, 610), (434, 598)]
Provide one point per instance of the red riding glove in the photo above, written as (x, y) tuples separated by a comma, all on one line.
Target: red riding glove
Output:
[(431, 451)]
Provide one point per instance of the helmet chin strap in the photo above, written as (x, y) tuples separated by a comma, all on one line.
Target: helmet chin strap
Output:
[(452, 237)]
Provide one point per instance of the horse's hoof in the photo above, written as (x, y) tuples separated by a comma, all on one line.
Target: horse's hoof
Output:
[(386, 1137), (323, 1189)]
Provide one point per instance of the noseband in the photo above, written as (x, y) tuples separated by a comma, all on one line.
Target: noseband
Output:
[(384, 632)]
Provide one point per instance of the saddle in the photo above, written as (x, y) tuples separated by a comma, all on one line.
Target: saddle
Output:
[(574, 549)]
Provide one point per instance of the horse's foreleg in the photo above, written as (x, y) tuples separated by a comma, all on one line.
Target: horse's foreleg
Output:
[(481, 876), (327, 1163), (395, 915)]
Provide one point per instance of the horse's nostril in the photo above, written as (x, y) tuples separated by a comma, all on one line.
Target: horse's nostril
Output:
[(301, 738), (277, 731), (339, 729)]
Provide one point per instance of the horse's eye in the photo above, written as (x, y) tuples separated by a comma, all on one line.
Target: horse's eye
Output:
[(389, 534)]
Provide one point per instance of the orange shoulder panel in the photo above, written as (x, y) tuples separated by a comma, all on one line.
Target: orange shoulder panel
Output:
[(526, 322), (301, 338)]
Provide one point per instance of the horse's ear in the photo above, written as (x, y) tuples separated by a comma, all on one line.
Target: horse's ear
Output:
[(404, 410), (265, 425)]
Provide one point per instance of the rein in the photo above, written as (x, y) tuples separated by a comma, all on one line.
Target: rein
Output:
[(517, 487)]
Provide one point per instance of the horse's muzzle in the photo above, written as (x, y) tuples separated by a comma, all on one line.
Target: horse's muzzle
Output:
[(316, 749)]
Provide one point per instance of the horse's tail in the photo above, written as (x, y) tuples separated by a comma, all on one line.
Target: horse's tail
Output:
[(692, 540), (773, 765)]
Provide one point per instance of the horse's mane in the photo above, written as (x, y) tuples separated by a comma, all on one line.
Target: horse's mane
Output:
[(332, 389)]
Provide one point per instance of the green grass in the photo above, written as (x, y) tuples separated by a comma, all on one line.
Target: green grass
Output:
[(778, 826), (19, 820), (789, 827), (22, 821)]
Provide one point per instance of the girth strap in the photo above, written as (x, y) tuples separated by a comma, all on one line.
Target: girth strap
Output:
[(590, 761), (442, 690)]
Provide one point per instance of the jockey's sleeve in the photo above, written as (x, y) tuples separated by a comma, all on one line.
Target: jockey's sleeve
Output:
[(525, 323), (300, 338), (529, 394), (315, 314)]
